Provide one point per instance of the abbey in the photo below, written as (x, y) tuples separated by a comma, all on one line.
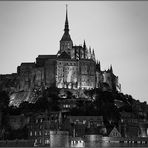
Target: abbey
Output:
[(73, 67)]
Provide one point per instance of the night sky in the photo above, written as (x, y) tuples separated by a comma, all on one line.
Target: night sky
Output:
[(118, 32)]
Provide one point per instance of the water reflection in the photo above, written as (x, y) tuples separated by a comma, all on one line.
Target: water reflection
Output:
[(105, 144)]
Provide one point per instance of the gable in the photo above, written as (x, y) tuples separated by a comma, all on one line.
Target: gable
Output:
[(114, 133), (64, 55)]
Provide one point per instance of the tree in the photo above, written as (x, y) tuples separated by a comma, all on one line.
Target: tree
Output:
[(4, 101), (4, 105)]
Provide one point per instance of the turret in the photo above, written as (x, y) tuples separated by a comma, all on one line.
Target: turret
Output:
[(98, 66), (85, 50), (89, 53), (111, 69), (93, 55)]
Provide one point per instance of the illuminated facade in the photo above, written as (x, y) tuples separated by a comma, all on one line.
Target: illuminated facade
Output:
[(73, 67), (76, 65)]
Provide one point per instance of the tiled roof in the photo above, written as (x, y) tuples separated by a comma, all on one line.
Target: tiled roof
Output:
[(28, 63), (47, 56), (66, 37), (64, 55)]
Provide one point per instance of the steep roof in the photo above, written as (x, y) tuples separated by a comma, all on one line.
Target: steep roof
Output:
[(66, 37), (64, 55), (114, 133), (28, 63), (47, 56), (81, 118)]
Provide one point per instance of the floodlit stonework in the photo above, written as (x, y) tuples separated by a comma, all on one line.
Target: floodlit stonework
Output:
[(73, 67)]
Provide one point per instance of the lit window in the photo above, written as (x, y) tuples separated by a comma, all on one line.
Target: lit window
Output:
[(47, 141), (45, 132), (40, 133), (84, 121), (35, 133), (66, 106), (31, 133), (35, 141)]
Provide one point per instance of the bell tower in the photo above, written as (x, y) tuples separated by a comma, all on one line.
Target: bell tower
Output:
[(66, 42)]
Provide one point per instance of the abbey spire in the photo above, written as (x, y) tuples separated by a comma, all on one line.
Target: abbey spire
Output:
[(66, 42), (66, 29)]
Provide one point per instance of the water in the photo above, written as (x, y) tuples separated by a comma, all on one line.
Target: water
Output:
[(111, 145), (104, 145)]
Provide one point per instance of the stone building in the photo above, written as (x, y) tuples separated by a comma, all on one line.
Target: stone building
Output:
[(84, 125), (17, 121), (40, 126), (73, 67), (131, 126)]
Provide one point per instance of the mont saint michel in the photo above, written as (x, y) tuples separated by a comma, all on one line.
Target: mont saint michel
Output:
[(67, 99)]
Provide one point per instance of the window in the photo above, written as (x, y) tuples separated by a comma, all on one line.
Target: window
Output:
[(40, 133), (35, 133), (46, 133), (30, 133), (98, 124), (35, 142), (84, 121), (47, 141), (36, 120)]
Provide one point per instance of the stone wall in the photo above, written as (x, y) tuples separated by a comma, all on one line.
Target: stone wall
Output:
[(50, 72), (59, 139)]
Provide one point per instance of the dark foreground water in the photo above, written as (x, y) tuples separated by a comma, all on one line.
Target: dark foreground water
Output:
[(99, 146), (102, 145), (111, 145)]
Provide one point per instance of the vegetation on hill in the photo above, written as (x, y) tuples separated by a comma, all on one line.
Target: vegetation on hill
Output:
[(98, 103)]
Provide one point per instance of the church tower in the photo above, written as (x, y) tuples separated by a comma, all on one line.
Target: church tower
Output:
[(66, 42)]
